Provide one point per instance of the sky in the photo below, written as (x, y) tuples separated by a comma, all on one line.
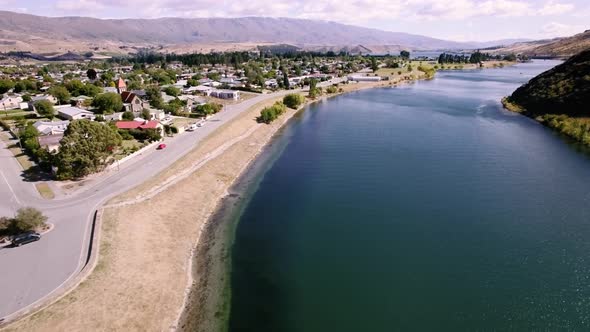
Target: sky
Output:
[(460, 20)]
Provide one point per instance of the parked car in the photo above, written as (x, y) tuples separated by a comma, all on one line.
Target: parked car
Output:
[(161, 146), (25, 238), (200, 124)]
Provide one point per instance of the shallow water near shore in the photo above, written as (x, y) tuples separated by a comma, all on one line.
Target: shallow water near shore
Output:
[(422, 207)]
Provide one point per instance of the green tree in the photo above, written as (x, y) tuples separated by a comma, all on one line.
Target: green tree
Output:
[(172, 91), (60, 93), (6, 85), (405, 54), (313, 90), (154, 95), (45, 108), (286, 84), (128, 116), (374, 65), (109, 102), (28, 219), (91, 74), (86, 148), (145, 114), (293, 100)]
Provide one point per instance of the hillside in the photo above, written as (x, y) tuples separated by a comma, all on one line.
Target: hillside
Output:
[(23, 32), (559, 98), (558, 47), (564, 89)]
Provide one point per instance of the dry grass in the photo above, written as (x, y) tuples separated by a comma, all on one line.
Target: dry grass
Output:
[(45, 190)]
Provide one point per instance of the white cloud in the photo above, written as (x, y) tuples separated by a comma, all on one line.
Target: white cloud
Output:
[(555, 29), (556, 8), (79, 5)]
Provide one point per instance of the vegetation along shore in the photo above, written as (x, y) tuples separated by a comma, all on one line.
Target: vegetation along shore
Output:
[(558, 98)]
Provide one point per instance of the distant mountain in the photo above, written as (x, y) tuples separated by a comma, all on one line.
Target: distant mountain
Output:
[(557, 47), (28, 32), (564, 89)]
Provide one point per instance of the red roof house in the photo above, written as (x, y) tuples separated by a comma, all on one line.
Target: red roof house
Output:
[(139, 125)]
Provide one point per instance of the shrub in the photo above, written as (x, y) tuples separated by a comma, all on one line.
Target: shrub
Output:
[(332, 89), (269, 114), (293, 100)]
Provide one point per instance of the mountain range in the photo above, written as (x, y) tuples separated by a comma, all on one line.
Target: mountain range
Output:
[(24, 32)]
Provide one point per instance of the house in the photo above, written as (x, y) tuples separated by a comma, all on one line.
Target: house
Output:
[(50, 142), (191, 101), (74, 113), (80, 100), (51, 127), (204, 90), (110, 89), (225, 94), (143, 124), (114, 117), (132, 103), (10, 102), (121, 86)]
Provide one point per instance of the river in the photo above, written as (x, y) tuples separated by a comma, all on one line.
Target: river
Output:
[(424, 207)]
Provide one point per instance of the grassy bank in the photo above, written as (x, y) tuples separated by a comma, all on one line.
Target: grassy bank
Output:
[(575, 128)]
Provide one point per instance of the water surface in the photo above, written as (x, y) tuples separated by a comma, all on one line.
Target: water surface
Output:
[(425, 207)]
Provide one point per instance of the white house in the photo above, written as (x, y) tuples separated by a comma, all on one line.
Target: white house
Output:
[(51, 127), (225, 94), (74, 113), (10, 102)]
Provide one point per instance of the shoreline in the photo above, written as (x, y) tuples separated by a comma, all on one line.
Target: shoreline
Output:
[(139, 286), (217, 236)]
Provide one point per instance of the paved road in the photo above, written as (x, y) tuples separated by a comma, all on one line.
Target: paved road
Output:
[(32, 272)]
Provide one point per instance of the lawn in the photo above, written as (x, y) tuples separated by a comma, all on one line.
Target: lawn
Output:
[(44, 190), (24, 160)]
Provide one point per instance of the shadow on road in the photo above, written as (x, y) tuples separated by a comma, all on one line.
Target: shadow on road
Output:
[(35, 174)]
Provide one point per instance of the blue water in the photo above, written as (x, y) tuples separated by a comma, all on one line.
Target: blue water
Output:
[(425, 207)]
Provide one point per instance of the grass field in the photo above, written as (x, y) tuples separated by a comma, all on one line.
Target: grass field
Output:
[(44, 190)]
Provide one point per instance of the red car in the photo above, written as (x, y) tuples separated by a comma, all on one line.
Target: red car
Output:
[(161, 146)]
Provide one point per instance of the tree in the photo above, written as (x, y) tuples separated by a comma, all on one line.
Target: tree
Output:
[(154, 96), (405, 54), (28, 219), (374, 65), (286, 84), (86, 148), (6, 85), (128, 116), (293, 100), (109, 102), (91, 73), (172, 91), (145, 114), (60, 93), (313, 90), (45, 108)]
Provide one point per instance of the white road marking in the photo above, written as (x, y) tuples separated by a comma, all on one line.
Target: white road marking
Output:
[(10, 187)]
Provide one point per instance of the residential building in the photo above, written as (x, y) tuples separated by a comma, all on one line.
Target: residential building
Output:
[(10, 102), (225, 94), (133, 103), (51, 127), (143, 124), (74, 113)]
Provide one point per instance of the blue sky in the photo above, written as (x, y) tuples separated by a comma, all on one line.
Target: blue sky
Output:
[(462, 20)]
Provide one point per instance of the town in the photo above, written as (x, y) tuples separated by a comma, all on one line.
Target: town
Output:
[(147, 97)]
